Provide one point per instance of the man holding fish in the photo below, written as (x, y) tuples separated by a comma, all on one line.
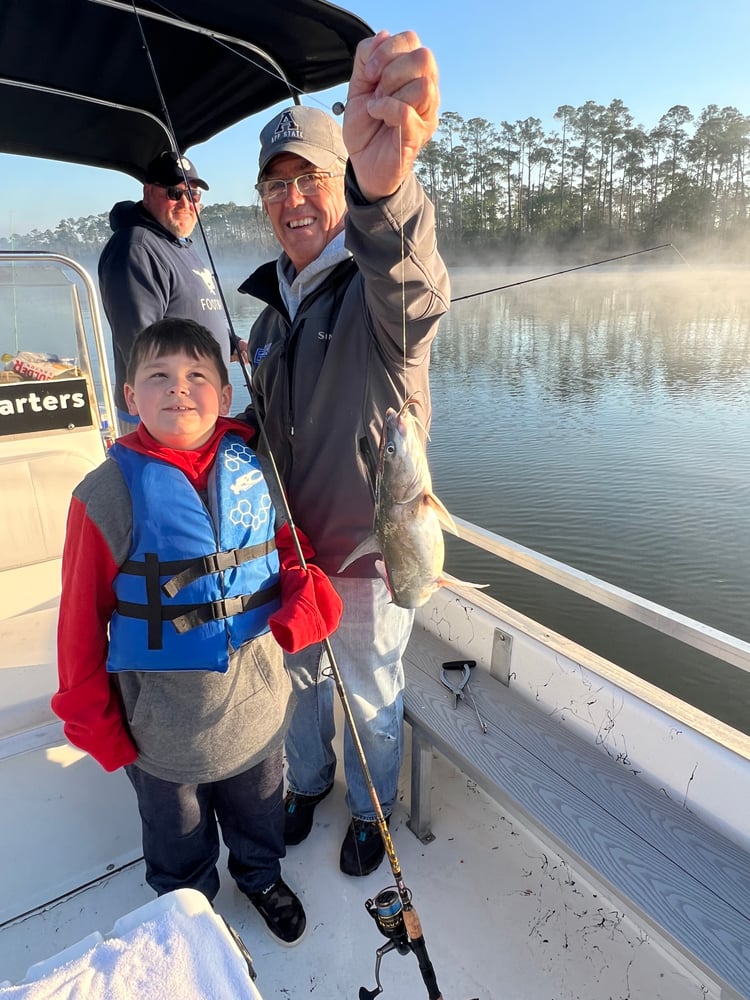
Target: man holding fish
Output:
[(353, 305)]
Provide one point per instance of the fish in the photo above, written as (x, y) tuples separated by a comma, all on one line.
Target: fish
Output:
[(409, 518)]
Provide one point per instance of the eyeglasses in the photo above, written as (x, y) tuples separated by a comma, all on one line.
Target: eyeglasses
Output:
[(177, 194), (307, 185)]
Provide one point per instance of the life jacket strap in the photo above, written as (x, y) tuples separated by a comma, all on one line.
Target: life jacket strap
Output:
[(185, 617), (216, 562), (184, 571), (225, 608)]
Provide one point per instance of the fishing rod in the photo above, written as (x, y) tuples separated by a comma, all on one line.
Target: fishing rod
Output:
[(392, 908), (567, 270)]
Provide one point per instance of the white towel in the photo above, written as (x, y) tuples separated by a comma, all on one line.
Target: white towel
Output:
[(175, 956)]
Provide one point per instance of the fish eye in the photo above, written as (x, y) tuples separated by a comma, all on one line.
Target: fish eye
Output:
[(391, 448)]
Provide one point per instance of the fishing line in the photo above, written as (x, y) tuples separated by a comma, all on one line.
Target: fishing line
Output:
[(403, 251), (403, 915), (567, 270), (685, 262), (234, 340)]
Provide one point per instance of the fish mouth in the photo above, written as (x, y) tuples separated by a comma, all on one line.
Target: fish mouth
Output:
[(396, 417)]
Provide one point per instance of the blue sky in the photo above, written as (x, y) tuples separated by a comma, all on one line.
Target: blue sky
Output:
[(499, 61)]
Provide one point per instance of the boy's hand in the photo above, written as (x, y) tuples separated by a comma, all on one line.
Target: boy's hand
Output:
[(310, 607)]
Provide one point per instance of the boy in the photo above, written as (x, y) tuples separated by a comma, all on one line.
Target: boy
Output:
[(166, 663)]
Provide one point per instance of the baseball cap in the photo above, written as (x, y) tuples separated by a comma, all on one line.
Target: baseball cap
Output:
[(306, 132), (167, 169)]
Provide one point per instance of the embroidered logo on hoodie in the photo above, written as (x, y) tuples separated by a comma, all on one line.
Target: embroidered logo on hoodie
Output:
[(213, 304)]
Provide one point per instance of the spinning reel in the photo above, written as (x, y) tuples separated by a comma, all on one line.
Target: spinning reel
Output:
[(394, 915), (387, 911)]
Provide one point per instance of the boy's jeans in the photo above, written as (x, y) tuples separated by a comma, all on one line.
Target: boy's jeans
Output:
[(181, 837), (368, 646)]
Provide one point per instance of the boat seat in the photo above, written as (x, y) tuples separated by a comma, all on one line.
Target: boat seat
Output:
[(34, 503), (688, 883), (28, 674), (34, 499)]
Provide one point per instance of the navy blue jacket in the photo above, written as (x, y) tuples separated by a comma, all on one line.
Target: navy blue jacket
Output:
[(147, 274)]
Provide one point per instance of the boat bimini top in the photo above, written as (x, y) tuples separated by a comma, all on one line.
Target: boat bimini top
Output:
[(112, 83)]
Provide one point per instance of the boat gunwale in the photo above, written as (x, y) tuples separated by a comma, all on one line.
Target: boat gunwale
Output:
[(690, 631)]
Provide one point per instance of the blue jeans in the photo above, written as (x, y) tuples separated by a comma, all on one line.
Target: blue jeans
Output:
[(368, 646), (181, 835)]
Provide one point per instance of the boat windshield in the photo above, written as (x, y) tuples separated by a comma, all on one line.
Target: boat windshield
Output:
[(50, 333)]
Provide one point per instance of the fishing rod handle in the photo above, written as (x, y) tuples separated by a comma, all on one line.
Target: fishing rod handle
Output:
[(416, 941)]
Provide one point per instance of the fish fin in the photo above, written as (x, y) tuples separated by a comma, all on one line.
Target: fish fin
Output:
[(446, 580), (369, 545), (443, 514)]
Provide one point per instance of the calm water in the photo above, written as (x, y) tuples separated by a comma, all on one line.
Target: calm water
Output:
[(603, 419)]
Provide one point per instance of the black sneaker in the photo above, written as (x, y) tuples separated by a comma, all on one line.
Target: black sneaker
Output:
[(363, 848), (282, 912), (298, 815)]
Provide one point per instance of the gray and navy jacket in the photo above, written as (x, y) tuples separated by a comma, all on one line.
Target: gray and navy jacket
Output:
[(323, 381), (146, 274), (185, 726)]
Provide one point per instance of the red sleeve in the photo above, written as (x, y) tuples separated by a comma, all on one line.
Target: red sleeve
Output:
[(87, 700)]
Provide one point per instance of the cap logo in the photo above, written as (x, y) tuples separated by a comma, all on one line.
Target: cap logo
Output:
[(287, 128), (185, 164)]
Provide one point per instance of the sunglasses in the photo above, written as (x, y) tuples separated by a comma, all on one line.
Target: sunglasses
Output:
[(177, 194)]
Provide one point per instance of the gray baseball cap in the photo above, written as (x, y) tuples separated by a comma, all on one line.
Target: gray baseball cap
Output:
[(306, 132)]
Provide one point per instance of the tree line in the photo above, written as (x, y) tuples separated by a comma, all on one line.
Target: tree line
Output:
[(230, 229), (595, 178), (597, 174)]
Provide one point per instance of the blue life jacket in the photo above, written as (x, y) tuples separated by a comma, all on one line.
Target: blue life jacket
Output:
[(184, 599)]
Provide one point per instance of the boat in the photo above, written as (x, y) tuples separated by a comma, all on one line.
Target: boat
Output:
[(564, 829)]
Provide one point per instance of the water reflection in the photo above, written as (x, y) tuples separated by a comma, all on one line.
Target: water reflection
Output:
[(668, 329), (604, 420)]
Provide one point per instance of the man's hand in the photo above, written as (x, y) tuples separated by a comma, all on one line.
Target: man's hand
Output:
[(391, 110), (240, 354)]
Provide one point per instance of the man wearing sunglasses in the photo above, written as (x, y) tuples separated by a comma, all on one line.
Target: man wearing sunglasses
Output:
[(353, 305), (149, 269)]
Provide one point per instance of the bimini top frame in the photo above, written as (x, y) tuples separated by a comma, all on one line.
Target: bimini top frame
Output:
[(76, 82)]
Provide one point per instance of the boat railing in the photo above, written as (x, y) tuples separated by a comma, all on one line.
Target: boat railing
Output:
[(670, 623)]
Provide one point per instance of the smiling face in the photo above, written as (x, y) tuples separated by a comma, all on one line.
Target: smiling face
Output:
[(179, 217), (178, 398), (304, 224)]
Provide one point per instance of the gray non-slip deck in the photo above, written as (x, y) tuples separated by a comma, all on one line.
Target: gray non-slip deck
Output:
[(687, 881)]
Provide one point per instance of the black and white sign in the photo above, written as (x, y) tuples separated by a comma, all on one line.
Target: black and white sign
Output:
[(26, 407)]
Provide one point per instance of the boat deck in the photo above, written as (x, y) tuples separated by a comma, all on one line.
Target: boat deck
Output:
[(502, 915)]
